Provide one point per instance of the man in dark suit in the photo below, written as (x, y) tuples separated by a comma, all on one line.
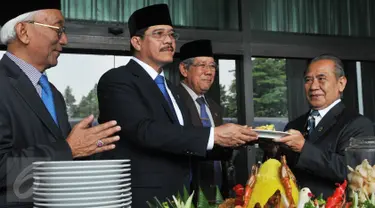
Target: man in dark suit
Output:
[(198, 70), (33, 120), (316, 149), (157, 134)]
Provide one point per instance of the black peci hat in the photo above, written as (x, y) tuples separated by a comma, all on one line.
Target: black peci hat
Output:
[(157, 14), (23, 7), (195, 49)]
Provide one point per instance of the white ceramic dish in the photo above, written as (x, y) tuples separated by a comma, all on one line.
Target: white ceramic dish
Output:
[(79, 168), (77, 163), (86, 194), (81, 184), (82, 199), (80, 189), (82, 172), (95, 203), (122, 205), (274, 135), (78, 179)]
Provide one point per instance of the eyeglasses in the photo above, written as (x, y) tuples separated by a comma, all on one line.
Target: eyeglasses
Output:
[(212, 66), (160, 35), (59, 30)]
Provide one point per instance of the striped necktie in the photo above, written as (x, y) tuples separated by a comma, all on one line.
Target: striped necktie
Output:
[(311, 121), (205, 119), (203, 114)]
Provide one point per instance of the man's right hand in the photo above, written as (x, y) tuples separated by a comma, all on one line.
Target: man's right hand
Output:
[(83, 139), (234, 135)]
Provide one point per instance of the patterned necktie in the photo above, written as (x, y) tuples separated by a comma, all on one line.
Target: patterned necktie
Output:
[(204, 116), (159, 80), (47, 96), (207, 123), (311, 121)]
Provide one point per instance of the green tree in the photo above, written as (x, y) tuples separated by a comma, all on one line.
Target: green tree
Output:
[(88, 105), (70, 101), (223, 95), (269, 84), (269, 87), (232, 99)]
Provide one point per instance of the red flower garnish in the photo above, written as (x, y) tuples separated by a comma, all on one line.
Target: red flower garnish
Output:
[(239, 189)]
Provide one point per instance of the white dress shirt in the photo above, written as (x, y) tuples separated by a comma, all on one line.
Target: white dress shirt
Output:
[(153, 74), (324, 111), (194, 96)]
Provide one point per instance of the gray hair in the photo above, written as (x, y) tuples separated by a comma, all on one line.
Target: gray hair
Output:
[(188, 62), (339, 66), (8, 31)]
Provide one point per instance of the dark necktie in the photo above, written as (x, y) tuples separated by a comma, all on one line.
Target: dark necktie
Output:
[(47, 97), (159, 80), (205, 119), (203, 114), (311, 121)]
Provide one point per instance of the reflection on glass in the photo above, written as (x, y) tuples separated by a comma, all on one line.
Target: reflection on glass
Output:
[(228, 90), (270, 95), (209, 14), (78, 82)]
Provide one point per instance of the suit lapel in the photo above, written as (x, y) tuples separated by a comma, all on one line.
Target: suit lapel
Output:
[(149, 87), (24, 87), (326, 123), (214, 112), (194, 114), (60, 109)]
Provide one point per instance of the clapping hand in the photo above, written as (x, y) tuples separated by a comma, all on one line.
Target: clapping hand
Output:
[(85, 140)]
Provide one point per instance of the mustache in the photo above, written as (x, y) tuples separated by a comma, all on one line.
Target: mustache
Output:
[(167, 48)]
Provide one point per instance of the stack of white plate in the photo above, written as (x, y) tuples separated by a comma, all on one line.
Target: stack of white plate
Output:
[(89, 183)]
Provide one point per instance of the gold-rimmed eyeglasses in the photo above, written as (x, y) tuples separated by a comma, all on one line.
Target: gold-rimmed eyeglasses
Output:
[(59, 30), (160, 35), (212, 66)]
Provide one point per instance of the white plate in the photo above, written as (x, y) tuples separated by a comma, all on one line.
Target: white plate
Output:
[(77, 163), (82, 172), (122, 205), (78, 189), (77, 179), (95, 203), (83, 199), (86, 194), (267, 134), (81, 184), (83, 167)]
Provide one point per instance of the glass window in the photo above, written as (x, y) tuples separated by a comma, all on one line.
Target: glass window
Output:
[(209, 14), (78, 82), (325, 17), (228, 90), (270, 94)]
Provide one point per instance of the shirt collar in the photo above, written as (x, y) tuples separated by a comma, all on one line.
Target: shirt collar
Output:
[(193, 95), (150, 71), (31, 72), (324, 111)]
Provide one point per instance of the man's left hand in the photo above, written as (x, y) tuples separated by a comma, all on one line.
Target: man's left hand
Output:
[(295, 141)]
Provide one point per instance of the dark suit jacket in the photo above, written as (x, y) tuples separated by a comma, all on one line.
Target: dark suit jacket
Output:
[(27, 130), (151, 136), (322, 162), (203, 169)]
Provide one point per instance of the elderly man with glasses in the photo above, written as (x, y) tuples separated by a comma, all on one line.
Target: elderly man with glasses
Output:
[(33, 120), (157, 134), (198, 70)]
